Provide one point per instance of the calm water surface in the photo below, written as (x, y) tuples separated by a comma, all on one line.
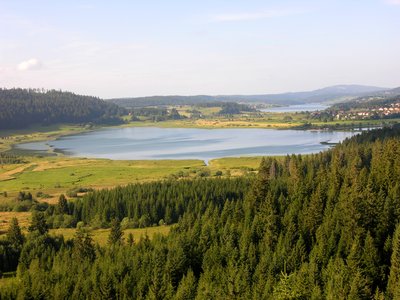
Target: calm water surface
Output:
[(297, 108), (185, 143)]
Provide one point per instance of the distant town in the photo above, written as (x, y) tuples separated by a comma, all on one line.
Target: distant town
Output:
[(384, 110)]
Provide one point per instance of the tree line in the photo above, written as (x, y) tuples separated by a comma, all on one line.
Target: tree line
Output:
[(9, 158), (20, 108), (155, 114), (147, 204)]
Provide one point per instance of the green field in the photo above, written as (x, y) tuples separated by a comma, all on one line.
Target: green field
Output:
[(100, 236), (54, 175), (232, 163)]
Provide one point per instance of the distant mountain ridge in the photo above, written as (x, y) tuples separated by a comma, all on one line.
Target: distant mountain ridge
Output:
[(320, 95)]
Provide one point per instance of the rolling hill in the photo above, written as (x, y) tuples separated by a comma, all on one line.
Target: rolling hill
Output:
[(320, 95), (20, 108)]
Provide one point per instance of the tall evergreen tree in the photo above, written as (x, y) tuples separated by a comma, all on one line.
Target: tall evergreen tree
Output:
[(187, 287), (394, 277), (14, 234), (83, 246), (116, 233), (38, 223), (62, 205)]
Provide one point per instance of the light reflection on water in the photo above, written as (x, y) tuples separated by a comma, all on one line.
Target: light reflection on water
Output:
[(187, 143)]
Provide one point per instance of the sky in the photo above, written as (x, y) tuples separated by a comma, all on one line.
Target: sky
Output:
[(156, 47)]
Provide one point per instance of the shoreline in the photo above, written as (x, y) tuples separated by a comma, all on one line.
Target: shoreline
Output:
[(52, 149), (21, 136)]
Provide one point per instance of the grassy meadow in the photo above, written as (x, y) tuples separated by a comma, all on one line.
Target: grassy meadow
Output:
[(100, 236), (58, 174)]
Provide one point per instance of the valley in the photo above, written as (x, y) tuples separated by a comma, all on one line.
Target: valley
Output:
[(200, 150), (158, 166)]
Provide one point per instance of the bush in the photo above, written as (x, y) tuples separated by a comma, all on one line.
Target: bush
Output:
[(42, 195), (204, 173), (128, 223), (72, 194), (24, 196), (69, 222), (39, 206), (80, 224), (144, 221)]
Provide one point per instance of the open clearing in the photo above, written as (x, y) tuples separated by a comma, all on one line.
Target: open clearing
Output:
[(58, 174), (24, 219), (100, 236)]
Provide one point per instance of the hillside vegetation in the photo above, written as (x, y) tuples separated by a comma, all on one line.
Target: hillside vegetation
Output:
[(324, 226), (20, 108), (319, 95)]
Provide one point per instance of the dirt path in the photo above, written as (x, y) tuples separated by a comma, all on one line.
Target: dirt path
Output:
[(9, 174)]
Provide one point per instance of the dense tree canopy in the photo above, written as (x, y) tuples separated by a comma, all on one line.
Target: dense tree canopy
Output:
[(8, 158), (20, 108)]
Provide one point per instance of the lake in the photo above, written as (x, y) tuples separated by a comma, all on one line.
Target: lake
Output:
[(296, 108), (137, 143)]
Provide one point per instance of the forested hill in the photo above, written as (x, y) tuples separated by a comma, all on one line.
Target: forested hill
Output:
[(322, 226), (320, 95), (20, 108)]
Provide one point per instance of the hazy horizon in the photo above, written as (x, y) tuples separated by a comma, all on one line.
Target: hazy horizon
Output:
[(136, 48)]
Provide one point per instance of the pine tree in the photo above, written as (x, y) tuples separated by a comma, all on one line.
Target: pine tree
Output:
[(83, 246), (14, 235), (116, 233), (62, 205), (187, 287), (370, 260), (131, 239), (38, 223), (394, 277)]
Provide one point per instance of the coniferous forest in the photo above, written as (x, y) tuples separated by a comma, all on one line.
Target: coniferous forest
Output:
[(20, 108), (322, 226)]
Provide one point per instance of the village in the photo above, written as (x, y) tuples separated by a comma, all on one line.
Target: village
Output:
[(373, 112)]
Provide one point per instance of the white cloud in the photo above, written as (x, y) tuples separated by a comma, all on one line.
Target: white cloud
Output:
[(232, 17), (30, 64), (393, 2)]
